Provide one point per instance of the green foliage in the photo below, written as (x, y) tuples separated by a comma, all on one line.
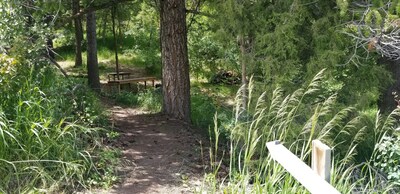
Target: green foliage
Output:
[(48, 125), (126, 98), (151, 100), (46, 142), (105, 164), (387, 155), (374, 18), (388, 159), (203, 108), (343, 6), (295, 119)]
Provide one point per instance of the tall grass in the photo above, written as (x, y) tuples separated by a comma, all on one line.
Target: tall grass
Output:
[(295, 119), (48, 133)]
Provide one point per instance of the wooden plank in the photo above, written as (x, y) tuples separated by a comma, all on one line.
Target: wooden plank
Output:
[(321, 159), (132, 80), (299, 170)]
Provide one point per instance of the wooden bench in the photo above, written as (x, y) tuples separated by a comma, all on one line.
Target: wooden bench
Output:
[(132, 80)]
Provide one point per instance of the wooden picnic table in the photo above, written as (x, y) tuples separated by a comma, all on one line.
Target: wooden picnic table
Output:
[(122, 76), (132, 80)]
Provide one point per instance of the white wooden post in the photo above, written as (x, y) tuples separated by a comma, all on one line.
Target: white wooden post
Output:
[(321, 159), (299, 170)]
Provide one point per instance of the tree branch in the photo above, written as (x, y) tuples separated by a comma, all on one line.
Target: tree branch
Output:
[(57, 65), (98, 7)]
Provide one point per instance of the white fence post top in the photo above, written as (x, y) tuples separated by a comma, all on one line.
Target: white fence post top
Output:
[(299, 170)]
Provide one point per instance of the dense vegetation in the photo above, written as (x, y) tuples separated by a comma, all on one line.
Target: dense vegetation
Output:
[(325, 70), (49, 125)]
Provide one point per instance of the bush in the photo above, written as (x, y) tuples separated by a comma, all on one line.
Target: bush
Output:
[(388, 157)]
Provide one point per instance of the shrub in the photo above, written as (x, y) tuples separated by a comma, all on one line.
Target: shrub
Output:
[(388, 157)]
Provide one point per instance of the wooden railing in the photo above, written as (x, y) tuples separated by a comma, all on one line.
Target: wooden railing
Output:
[(315, 180)]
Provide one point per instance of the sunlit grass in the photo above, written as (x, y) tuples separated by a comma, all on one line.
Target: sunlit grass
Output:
[(49, 132), (295, 119)]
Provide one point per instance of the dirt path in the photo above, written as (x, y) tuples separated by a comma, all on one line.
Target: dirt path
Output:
[(159, 155)]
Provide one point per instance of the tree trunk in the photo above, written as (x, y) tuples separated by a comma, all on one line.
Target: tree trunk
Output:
[(388, 100), (175, 62), (104, 28), (92, 64), (113, 12), (78, 33)]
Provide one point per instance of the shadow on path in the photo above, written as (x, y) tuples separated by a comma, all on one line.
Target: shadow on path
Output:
[(159, 155)]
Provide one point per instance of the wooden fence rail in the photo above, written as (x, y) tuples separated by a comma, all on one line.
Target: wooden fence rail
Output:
[(309, 178)]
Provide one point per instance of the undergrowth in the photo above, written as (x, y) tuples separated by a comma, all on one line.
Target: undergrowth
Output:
[(149, 100), (297, 119), (50, 131)]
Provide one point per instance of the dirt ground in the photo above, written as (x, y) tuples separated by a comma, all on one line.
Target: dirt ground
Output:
[(159, 155)]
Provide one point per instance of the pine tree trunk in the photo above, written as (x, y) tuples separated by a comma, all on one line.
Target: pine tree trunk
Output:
[(175, 62), (78, 33), (92, 63)]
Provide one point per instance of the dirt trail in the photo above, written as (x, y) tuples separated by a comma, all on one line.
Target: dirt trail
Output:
[(159, 155)]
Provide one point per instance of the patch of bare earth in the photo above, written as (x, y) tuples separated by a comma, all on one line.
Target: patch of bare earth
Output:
[(159, 155)]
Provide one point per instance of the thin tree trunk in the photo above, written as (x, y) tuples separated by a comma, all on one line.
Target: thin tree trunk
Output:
[(175, 62), (104, 28), (120, 37), (78, 33), (114, 10), (92, 63)]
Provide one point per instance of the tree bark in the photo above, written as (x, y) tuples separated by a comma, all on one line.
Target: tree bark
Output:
[(78, 33), (175, 62), (92, 63)]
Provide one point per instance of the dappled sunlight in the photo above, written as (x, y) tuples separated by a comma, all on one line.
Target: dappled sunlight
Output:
[(165, 153)]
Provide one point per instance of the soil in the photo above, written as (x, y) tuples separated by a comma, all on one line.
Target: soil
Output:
[(159, 155)]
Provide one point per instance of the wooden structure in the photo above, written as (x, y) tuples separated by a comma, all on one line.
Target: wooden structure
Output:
[(309, 178), (129, 81), (321, 160), (118, 76)]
